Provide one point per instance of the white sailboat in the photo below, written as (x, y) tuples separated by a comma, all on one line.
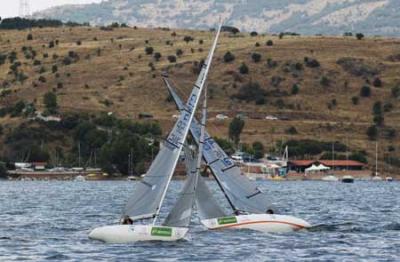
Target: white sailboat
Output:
[(376, 176), (249, 204), (150, 192)]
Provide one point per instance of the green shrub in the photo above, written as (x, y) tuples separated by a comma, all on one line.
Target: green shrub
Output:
[(377, 82), (291, 131), (396, 91), (372, 132), (295, 89), (172, 59), (157, 56), (50, 102), (229, 57), (149, 50), (179, 52), (256, 57), (270, 43), (188, 39), (244, 69), (311, 62), (251, 91), (365, 91), (359, 36), (355, 100)]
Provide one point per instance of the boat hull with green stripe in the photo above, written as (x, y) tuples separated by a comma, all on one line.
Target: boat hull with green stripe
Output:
[(265, 223), (119, 234)]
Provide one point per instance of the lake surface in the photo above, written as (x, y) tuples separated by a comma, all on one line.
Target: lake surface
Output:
[(42, 221)]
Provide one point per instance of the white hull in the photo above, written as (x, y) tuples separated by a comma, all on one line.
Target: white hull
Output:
[(121, 234), (330, 179), (265, 223)]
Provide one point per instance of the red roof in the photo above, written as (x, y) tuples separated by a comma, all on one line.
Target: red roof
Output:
[(330, 163), (302, 162), (341, 163)]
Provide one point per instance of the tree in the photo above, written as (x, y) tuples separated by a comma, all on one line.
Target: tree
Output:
[(372, 132), (229, 57), (188, 39), (149, 50), (179, 52), (50, 102), (258, 149), (291, 131), (359, 36), (365, 91), (270, 43), (3, 170), (295, 89), (256, 57), (254, 33), (396, 91), (157, 56), (355, 100), (377, 108), (244, 69), (377, 82), (235, 129), (54, 69), (379, 120), (172, 59), (325, 81)]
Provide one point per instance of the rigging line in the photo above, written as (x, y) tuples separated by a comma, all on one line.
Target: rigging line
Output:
[(223, 191)]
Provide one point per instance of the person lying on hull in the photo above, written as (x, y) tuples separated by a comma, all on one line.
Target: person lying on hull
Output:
[(126, 221)]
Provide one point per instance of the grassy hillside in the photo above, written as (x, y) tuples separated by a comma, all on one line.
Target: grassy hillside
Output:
[(94, 70)]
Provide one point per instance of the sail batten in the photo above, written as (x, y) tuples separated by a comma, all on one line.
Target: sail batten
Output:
[(146, 199)]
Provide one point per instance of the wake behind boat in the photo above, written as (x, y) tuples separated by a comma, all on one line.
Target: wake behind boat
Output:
[(150, 192)]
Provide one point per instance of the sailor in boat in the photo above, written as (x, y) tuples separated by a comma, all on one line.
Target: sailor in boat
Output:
[(126, 220), (270, 212)]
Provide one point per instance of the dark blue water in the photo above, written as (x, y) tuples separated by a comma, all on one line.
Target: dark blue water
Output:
[(41, 221)]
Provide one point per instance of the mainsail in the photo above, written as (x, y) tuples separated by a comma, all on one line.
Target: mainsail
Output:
[(181, 213), (149, 193), (242, 194)]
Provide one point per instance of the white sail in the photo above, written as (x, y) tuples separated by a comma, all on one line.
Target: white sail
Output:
[(181, 213), (241, 193), (149, 193)]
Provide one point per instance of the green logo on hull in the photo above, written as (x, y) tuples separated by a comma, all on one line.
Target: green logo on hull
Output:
[(161, 231), (227, 220)]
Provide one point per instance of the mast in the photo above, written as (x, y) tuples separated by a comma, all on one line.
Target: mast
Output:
[(333, 156), (178, 135), (202, 134), (376, 158)]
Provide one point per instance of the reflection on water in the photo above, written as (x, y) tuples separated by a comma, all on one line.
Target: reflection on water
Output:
[(51, 220)]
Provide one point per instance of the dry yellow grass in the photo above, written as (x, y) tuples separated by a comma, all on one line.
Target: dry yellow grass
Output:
[(121, 75)]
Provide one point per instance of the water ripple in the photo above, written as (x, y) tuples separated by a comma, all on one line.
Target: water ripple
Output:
[(51, 220)]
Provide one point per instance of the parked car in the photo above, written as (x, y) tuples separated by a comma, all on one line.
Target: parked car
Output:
[(221, 117), (271, 118)]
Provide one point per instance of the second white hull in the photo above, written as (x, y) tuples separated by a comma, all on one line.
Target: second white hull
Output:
[(121, 234), (265, 223)]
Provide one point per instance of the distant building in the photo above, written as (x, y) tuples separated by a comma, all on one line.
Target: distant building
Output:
[(39, 166), (301, 165)]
